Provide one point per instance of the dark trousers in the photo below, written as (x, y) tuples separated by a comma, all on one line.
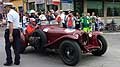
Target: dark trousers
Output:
[(15, 45)]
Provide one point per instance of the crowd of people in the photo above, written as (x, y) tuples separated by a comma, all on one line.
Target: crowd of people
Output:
[(87, 22)]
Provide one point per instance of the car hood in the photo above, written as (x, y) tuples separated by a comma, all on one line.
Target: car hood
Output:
[(55, 29)]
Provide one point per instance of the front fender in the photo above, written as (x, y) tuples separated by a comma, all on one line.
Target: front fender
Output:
[(93, 39), (96, 33), (58, 40)]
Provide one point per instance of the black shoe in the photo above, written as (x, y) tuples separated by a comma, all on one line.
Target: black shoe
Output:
[(17, 63), (7, 64)]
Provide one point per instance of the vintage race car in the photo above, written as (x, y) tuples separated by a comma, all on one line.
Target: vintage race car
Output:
[(70, 43)]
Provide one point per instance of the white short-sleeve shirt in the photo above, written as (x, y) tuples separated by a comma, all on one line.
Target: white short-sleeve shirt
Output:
[(14, 18)]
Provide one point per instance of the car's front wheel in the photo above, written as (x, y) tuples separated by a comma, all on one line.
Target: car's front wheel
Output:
[(70, 52), (103, 46)]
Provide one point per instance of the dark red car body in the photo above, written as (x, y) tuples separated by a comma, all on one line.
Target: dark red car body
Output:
[(55, 35)]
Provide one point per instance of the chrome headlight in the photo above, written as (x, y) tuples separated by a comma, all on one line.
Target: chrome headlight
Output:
[(90, 34)]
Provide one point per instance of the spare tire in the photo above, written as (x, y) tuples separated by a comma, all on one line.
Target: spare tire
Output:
[(38, 39)]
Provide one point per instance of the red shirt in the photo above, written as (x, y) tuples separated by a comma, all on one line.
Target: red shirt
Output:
[(70, 22)]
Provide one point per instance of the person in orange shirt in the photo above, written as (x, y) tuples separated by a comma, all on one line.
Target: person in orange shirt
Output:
[(31, 26)]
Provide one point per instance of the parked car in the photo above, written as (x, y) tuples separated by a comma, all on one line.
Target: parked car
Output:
[(70, 43)]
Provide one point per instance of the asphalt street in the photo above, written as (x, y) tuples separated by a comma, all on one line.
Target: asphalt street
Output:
[(32, 59)]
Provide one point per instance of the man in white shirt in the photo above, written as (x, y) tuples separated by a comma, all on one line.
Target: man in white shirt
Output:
[(12, 35), (62, 15), (42, 17)]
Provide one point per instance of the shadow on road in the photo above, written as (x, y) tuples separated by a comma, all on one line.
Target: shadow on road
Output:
[(86, 58)]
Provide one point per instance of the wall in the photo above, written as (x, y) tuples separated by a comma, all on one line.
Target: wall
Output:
[(18, 3)]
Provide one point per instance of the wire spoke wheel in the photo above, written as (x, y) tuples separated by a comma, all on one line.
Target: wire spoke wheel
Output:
[(103, 46), (70, 52)]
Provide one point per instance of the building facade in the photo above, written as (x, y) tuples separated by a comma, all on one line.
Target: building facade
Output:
[(108, 9), (41, 5), (20, 5), (104, 8)]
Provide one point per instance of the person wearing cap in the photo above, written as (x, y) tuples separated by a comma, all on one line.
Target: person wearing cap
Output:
[(12, 35), (33, 15)]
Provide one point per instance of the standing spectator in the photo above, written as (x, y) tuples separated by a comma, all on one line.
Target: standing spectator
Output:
[(1, 17), (88, 17), (63, 16), (25, 19), (61, 19), (93, 15), (12, 35), (70, 19), (97, 26), (101, 24), (33, 14), (52, 13), (77, 23), (50, 17), (85, 23), (42, 17), (93, 23), (58, 18)]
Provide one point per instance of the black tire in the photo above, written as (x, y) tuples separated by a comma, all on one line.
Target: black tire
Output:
[(103, 46), (39, 43), (71, 47)]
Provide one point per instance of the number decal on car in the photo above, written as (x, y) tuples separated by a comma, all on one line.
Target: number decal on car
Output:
[(69, 30), (45, 29)]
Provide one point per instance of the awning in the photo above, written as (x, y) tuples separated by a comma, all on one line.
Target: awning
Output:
[(56, 2)]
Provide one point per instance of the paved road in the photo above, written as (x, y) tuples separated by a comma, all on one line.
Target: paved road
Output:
[(32, 59)]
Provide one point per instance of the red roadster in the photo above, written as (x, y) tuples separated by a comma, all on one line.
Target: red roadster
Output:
[(70, 43)]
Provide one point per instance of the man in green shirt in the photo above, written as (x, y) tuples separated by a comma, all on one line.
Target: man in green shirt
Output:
[(85, 24)]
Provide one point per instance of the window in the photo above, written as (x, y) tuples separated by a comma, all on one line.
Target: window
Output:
[(113, 9), (51, 6), (78, 6), (40, 7), (95, 6), (32, 6)]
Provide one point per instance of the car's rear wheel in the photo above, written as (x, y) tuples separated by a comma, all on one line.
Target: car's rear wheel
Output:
[(103, 46), (38, 40), (70, 52)]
